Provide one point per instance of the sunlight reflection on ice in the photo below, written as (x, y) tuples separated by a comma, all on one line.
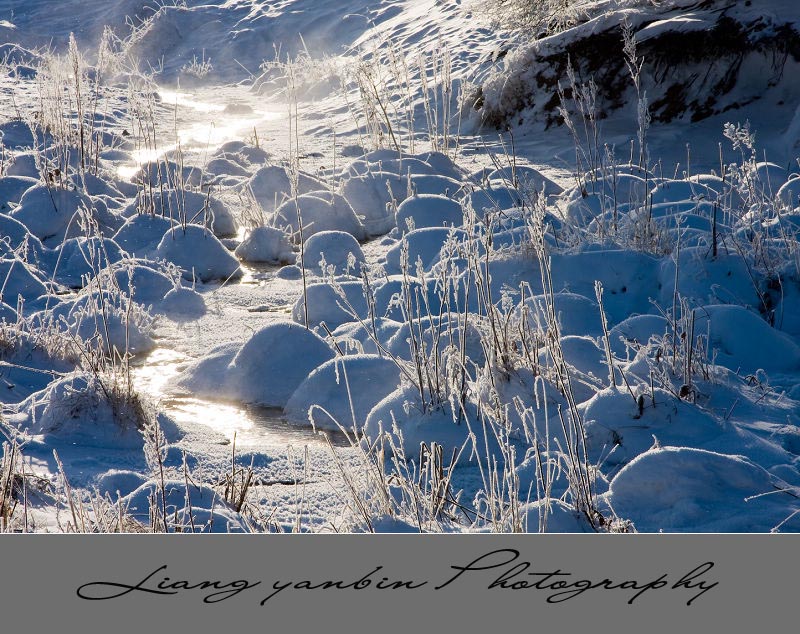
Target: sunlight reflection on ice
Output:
[(211, 126), (255, 427), (187, 100)]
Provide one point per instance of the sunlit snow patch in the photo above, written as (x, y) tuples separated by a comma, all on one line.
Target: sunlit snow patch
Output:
[(209, 126)]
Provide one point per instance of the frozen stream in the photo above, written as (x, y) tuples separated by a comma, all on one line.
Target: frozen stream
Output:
[(202, 121), (198, 122), (255, 428)]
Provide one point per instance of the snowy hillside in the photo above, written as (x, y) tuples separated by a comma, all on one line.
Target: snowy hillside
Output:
[(399, 265), (710, 62)]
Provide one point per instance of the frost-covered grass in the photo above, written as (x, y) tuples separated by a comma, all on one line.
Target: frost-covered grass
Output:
[(483, 349)]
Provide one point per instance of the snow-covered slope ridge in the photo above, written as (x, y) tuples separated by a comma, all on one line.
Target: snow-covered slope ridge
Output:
[(699, 59)]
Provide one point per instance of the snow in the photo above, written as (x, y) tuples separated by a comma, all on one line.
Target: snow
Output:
[(75, 410), (271, 185), (194, 207), (317, 212), (348, 386), (182, 304), (265, 244), (12, 188), (371, 196), (334, 304), (51, 212), (147, 285), (141, 233), (678, 489), (19, 280), (743, 341), (428, 210), (257, 251), (336, 249), (200, 255), (270, 365), (617, 432), (421, 245)]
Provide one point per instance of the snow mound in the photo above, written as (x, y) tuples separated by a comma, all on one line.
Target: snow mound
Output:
[(12, 188), (208, 376), (410, 425), (119, 481), (206, 513), (575, 314), (13, 233), (110, 324), (224, 166), (346, 389), (194, 207), (145, 284), (424, 245), (290, 272), (443, 165), (50, 212), (242, 153), (371, 196), (271, 186), (586, 361), (274, 362), (319, 212), (168, 174), (558, 517), (629, 279), (361, 337), (391, 295), (494, 197), (617, 431), (339, 249), (19, 279), (743, 341), (16, 135), (182, 304), (525, 178), (445, 336), (435, 185), (75, 259), (325, 304), (265, 244), (200, 255), (635, 332), (725, 279), (789, 193), (683, 489), (75, 411), (141, 233), (425, 210)]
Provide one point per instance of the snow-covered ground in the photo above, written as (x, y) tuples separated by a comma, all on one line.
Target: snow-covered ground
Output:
[(383, 266)]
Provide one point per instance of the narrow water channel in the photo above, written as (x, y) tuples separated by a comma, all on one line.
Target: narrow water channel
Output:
[(255, 427), (204, 120)]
